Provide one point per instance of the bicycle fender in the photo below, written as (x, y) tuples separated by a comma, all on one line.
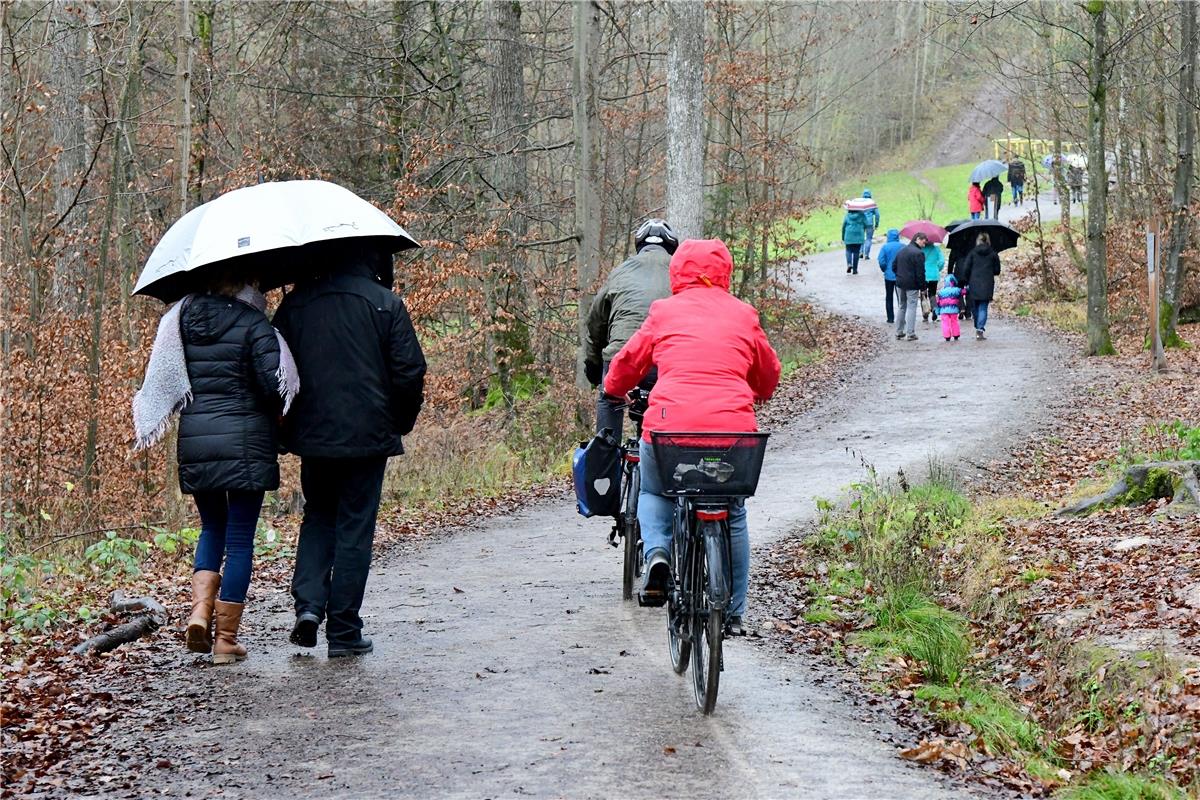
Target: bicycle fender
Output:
[(716, 553)]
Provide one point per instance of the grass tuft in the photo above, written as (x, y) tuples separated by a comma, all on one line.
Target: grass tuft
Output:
[(1121, 786), (910, 623), (1003, 727)]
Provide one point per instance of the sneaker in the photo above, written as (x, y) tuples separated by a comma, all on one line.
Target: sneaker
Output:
[(658, 578), (891, 322), (979, 335), (848, 270), (304, 632), (912, 337), (356, 648), (734, 626), (899, 336)]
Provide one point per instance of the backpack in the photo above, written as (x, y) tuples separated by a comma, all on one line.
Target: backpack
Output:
[(596, 474)]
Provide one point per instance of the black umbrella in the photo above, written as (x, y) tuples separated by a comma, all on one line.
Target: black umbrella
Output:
[(962, 235)]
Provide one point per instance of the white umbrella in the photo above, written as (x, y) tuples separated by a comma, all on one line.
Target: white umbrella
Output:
[(258, 219)]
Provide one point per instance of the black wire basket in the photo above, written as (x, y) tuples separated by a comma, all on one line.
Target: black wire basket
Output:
[(709, 464)]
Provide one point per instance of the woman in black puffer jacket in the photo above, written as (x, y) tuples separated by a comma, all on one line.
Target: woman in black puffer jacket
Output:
[(228, 437)]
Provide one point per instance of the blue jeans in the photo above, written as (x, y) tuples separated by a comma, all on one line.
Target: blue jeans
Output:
[(853, 251), (866, 245), (227, 524), (656, 513), (979, 312), (975, 215), (1018, 191)]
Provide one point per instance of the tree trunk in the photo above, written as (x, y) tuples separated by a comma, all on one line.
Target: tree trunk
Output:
[(68, 126), (685, 110), (1099, 337), (586, 115), (1175, 268), (509, 134)]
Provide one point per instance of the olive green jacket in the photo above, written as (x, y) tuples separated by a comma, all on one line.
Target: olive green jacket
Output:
[(623, 302)]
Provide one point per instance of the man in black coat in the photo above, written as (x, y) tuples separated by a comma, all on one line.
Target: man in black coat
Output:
[(363, 374), (910, 280)]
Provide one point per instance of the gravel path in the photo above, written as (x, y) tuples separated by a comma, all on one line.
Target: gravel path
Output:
[(507, 665)]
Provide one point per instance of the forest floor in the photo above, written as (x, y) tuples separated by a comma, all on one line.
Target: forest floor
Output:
[(505, 662)]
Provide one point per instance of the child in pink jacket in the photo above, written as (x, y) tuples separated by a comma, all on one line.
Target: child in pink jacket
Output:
[(948, 298)]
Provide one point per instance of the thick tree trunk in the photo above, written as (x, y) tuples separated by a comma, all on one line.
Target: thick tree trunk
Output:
[(587, 164), (1175, 269), (68, 125), (685, 110), (1099, 338), (510, 180)]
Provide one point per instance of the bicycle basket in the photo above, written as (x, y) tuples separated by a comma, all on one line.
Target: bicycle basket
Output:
[(720, 464)]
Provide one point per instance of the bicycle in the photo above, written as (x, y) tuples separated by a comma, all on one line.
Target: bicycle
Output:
[(625, 526), (707, 474)]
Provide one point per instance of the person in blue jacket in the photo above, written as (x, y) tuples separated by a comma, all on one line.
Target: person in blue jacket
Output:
[(934, 261), (872, 216), (887, 265), (854, 229)]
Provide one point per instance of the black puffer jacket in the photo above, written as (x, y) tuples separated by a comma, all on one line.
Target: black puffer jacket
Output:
[(910, 268), (978, 273), (360, 364), (228, 436)]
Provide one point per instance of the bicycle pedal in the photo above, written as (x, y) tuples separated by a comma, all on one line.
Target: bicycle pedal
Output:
[(652, 600)]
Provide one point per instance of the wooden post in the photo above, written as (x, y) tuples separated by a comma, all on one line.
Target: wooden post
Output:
[(1158, 360)]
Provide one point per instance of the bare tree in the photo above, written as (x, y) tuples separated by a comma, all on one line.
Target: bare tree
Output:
[(1099, 337), (586, 119), (1175, 268), (685, 112)]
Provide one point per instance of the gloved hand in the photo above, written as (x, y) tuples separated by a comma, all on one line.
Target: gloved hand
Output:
[(593, 372)]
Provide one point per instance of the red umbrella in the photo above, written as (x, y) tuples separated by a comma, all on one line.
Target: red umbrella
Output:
[(935, 233)]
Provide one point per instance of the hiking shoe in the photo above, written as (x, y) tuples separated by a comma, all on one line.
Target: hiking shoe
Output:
[(912, 337), (357, 648), (304, 632), (947, 338), (979, 335), (734, 626), (658, 578)]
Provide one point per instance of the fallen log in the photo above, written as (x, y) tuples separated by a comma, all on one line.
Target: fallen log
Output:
[(153, 617), (1141, 483)]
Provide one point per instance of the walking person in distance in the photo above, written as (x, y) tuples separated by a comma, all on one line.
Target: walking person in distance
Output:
[(978, 274), (910, 282)]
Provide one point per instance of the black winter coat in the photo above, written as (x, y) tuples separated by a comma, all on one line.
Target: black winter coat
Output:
[(360, 364), (978, 273), (910, 268), (228, 434)]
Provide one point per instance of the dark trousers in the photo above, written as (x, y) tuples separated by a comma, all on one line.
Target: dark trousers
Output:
[(228, 520), (853, 251), (889, 299), (611, 413), (931, 291), (341, 500)]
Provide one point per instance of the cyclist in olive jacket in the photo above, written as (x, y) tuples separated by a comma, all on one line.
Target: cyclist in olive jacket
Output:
[(619, 309)]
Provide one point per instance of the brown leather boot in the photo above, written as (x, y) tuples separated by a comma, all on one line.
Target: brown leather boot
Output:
[(226, 649), (205, 584)]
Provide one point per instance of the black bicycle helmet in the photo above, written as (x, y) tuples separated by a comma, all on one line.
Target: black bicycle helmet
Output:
[(656, 231)]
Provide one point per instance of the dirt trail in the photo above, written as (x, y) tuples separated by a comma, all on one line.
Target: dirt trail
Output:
[(506, 663)]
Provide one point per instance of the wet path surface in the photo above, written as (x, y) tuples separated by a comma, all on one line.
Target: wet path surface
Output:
[(506, 664)]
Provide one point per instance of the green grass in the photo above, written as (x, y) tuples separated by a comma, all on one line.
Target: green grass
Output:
[(901, 197), (910, 623), (1003, 727), (1121, 786)]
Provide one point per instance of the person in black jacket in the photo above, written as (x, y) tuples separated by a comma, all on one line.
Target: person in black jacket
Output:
[(219, 364), (364, 377), (910, 281), (978, 274)]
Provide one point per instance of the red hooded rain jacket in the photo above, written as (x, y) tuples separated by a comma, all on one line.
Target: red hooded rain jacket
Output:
[(713, 359)]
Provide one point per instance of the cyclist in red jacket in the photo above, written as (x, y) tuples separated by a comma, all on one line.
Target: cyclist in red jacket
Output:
[(714, 363)]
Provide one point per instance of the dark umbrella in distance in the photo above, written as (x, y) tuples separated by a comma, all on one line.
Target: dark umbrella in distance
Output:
[(962, 238)]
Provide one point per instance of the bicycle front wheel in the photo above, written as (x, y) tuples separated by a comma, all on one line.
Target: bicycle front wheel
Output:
[(631, 533)]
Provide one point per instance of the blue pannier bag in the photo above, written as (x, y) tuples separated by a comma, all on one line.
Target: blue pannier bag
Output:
[(596, 473)]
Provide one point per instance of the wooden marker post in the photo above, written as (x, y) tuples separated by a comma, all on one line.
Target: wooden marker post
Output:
[(1158, 360)]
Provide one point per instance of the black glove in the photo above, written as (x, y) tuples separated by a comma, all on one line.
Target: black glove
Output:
[(593, 372)]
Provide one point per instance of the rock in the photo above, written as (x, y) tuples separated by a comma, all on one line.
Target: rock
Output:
[(1132, 543), (1190, 595), (1141, 640)]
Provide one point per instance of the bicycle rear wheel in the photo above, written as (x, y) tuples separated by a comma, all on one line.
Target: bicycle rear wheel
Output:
[(707, 636), (631, 532), (710, 598)]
